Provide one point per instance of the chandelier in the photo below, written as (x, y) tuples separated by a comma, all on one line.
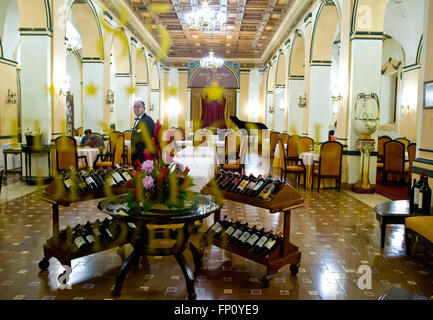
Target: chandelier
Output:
[(205, 18), (211, 62)]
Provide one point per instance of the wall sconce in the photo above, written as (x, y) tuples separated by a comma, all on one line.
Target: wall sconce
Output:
[(72, 46), (302, 100), (271, 108), (110, 96), (282, 106), (337, 98), (64, 92), (12, 97), (151, 107)]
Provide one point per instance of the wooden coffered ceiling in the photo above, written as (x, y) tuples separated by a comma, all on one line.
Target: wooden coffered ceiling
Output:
[(250, 26)]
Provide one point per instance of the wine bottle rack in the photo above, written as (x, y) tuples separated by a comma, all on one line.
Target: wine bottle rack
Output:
[(285, 200), (57, 195)]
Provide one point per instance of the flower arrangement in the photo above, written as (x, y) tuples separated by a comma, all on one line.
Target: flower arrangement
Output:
[(159, 180)]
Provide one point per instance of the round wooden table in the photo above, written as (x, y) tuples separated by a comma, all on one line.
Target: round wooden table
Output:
[(201, 208)]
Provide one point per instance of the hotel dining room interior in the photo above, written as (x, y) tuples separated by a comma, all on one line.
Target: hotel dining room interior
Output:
[(288, 150)]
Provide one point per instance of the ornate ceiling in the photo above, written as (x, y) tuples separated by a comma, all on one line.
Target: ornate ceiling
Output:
[(250, 26)]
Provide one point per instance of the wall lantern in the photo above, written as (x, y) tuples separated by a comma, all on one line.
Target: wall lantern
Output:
[(302, 100), (110, 96), (12, 97)]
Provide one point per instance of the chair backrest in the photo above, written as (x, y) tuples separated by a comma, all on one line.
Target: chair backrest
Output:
[(284, 137), (411, 150), (66, 153), (331, 154), (75, 132), (274, 139), (282, 151), (80, 131), (182, 133), (405, 141), (393, 159), (380, 142), (243, 148), (231, 139), (127, 134), (113, 138), (177, 135), (292, 146), (306, 144), (118, 150)]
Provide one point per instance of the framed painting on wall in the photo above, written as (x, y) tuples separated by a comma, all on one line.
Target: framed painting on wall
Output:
[(428, 95)]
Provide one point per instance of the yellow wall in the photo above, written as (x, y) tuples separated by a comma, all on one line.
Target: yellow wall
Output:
[(183, 98), (244, 94), (8, 112)]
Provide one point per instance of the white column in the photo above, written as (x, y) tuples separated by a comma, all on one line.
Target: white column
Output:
[(93, 97), (35, 83), (296, 114), (366, 62), (122, 102), (142, 92), (320, 109), (279, 113)]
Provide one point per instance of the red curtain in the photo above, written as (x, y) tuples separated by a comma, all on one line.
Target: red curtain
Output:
[(213, 113)]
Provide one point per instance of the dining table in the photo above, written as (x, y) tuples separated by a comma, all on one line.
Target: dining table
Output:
[(90, 153), (308, 159)]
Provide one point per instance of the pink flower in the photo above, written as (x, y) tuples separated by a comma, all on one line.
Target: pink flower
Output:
[(180, 166), (147, 166), (148, 183)]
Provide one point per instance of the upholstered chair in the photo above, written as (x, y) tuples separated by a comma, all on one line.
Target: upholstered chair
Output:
[(329, 165)]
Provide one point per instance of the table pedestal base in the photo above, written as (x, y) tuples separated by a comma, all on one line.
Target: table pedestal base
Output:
[(366, 146), (141, 250)]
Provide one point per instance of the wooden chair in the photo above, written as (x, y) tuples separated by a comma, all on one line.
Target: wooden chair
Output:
[(292, 149), (297, 169), (66, 154), (284, 137), (112, 141), (239, 163), (75, 132), (104, 160), (127, 134), (80, 131), (405, 141), (411, 150), (306, 144), (380, 142), (274, 140), (329, 165), (393, 160)]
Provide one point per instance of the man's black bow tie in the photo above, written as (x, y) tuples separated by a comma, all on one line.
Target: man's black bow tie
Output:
[(136, 119)]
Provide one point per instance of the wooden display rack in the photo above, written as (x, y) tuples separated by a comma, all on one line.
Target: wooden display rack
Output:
[(56, 194), (285, 200)]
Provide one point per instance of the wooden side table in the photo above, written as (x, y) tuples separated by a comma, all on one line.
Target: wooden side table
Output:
[(17, 170), (28, 151)]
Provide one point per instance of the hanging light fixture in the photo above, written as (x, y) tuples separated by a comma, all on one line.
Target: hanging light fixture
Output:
[(205, 18), (211, 62)]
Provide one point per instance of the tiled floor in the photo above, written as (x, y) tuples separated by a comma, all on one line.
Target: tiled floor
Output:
[(335, 232)]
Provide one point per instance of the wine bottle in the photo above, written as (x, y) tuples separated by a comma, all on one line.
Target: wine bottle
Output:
[(249, 189), (234, 183), (82, 187), (96, 227), (239, 231), (411, 197), (215, 228), (91, 184), (269, 190), (224, 225), (120, 182), (126, 174), (425, 198), (260, 186), (222, 173), (251, 241), (66, 180), (273, 242), (121, 172), (229, 231), (97, 178), (105, 230), (108, 179), (240, 188), (223, 179), (245, 236), (417, 187), (226, 182), (80, 238), (259, 245)]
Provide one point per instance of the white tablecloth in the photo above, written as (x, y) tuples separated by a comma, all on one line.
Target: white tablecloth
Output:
[(202, 162), (309, 158), (277, 150), (13, 160), (90, 153)]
